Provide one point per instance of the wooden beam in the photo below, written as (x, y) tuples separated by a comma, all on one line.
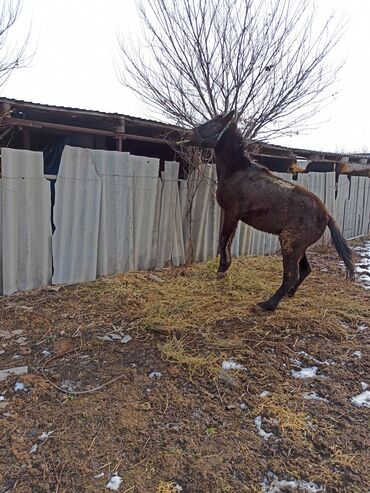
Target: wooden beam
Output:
[(20, 122), (119, 146)]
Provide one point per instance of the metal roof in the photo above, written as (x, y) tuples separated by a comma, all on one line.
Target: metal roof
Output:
[(271, 149)]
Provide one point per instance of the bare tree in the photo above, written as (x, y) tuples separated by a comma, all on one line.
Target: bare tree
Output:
[(267, 59), (12, 55)]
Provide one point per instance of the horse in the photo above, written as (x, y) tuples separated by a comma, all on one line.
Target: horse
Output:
[(249, 192)]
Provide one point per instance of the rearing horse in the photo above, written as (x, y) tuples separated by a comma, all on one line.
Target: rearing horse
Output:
[(250, 193)]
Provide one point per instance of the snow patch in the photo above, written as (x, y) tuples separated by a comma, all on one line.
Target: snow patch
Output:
[(261, 432), (33, 449), (315, 360), (363, 266), (114, 483), (69, 385), (19, 387), (364, 385), (358, 354), (45, 434), (126, 339), (272, 484), (232, 365), (313, 396), (309, 372), (265, 393), (155, 374), (362, 399), (362, 327)]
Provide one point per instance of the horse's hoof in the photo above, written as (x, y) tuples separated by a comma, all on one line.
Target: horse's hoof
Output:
[(264, 306), (221, 275)]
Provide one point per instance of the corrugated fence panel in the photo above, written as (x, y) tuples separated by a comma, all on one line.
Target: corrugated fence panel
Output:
[(330, 191), (183, 194), (245, 240), (340, 201), (205, 230), (26, 225), (235, 245), (317, 185), (303, 180), (146, 186), (1, 241), (349, 229), (366, 222), (167, 218), (76, 217), (205, 214), (329, 179), (355, 205), (115, 239), (178, 243), (361, 205)]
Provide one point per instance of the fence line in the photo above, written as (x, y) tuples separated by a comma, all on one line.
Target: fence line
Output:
[(113, 213)]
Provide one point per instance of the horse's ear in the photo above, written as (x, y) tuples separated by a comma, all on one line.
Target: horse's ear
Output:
[(229, 116)]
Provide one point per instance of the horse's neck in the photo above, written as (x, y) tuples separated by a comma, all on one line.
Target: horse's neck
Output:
[(230, 154)]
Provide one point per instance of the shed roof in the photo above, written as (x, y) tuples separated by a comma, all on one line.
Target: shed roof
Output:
[(122, 126)]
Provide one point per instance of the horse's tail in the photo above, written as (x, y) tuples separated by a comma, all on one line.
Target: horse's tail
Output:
[(342, 247)]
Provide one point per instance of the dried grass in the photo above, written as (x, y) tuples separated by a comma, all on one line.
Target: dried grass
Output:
[(166, 487), (185, 326)]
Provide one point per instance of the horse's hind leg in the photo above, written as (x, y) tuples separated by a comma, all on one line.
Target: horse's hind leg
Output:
[(291, 257), (304, 271), (229, 225)]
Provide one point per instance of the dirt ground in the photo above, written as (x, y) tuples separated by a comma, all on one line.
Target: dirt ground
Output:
[(89, 411)]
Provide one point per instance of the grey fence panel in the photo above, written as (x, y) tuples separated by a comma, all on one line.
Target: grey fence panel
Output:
[(178, 242), (115, 239), (258, 243), (76, 216), (26, 224), (316, 184), (1, 240), (329, 180), (340, 200), (366, 222), (358, 208), (245, 240), (303, 180), (213, 217), (167, 219), (235, 246), (361, 206), (205, 214), (185, 220), (350, 207), (146, 184), (272, 244)]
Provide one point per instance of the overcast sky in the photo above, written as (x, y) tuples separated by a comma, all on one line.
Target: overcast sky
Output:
[(75, 43)]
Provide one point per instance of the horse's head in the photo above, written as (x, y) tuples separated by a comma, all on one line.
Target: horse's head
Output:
[(209, 134)]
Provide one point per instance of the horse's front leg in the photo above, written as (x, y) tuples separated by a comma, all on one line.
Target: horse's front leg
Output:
[(228, 228)]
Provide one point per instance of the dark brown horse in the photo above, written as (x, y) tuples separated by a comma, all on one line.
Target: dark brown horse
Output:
[(250, 193)]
